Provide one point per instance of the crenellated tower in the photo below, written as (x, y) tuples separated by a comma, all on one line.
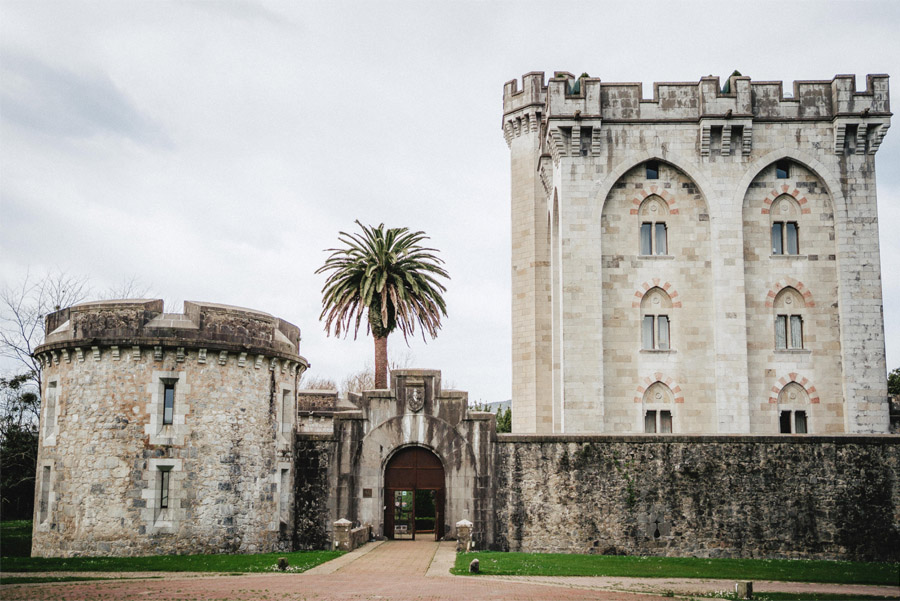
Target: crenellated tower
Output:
[(655, 242), (531, 360)]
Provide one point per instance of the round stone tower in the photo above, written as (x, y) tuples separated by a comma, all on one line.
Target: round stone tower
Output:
[(165, 433)]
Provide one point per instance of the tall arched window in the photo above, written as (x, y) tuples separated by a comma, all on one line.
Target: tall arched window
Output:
[(656, 325), (654, 235), (785, 217), (657, 409), (793, 409), (789, 312)]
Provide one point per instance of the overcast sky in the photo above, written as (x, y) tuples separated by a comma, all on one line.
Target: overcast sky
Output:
[(214, 149)]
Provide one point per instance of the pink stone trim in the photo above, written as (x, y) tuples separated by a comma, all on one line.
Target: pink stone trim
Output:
[(655, 283), (643, 193), (802, 381), (801, 200), (658, 377), (789, 282)]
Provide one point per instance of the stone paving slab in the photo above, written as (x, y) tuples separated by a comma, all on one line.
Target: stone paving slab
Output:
[(398, 558), (444, 559), (330, 567)]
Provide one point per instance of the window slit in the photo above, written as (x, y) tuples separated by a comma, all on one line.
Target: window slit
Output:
[(45, 494), (164, 489), (168, 403)]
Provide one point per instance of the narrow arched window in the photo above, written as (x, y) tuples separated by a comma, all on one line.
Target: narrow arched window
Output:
[(793, 409), (657, 407), (785, 218), (656, 325), (654, 233), (789, 312)]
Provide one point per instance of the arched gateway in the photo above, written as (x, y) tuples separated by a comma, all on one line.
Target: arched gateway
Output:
[(402, 451), (414, 494)]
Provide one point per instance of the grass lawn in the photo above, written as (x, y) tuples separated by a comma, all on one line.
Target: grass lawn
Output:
[(15, 551), (558, 564), (299, 561), (819, 597), (51, 579)]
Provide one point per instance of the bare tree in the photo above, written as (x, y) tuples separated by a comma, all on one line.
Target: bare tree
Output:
[(364, 379), (23, 307), (22, 311), (317, 383), (128, 287), (359, 381)]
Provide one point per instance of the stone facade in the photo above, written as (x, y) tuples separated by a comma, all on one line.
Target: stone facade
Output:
[(166, 433), (632, 213), (355, 455)]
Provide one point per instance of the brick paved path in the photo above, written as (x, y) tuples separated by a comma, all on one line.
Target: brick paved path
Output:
[(399, 558), (394, 570)]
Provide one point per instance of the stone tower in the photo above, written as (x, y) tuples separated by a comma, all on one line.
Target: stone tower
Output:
[(165, 433), (532, 359), (702, 261)]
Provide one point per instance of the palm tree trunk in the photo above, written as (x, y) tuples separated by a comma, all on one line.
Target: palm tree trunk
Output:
[(381, 362)]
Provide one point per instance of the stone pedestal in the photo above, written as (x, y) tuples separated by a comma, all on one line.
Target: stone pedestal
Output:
[(463, 536), (342, 534)]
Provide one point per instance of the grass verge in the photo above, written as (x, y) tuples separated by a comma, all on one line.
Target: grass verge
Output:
[(819, 597), (299, 561), (15, 551), (51, 579), (559, 564)]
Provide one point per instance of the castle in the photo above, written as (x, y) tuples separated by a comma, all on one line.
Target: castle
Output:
[(703, 261), (702, 268)]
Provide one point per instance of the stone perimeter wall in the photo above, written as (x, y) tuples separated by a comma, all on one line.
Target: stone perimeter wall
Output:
[(709, 496)]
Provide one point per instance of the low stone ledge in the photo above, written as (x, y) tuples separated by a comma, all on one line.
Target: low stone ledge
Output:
[(347, 538)]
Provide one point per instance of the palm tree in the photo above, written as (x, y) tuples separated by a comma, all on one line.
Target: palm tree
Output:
[(387, 275)]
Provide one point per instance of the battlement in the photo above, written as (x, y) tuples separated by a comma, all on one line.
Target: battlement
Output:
[(560, 97), (142, 322)]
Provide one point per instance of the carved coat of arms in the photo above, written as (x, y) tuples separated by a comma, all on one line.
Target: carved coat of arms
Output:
[(415, 399)]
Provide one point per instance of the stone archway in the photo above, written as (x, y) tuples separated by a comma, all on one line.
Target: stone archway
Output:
[(414, 494)]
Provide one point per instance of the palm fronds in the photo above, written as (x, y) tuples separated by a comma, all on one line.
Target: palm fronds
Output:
[(386, 276)]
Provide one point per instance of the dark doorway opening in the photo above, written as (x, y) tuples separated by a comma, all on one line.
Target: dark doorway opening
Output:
[(414, 495)]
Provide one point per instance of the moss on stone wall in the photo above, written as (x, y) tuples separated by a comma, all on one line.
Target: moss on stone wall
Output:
[(828, 498)]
